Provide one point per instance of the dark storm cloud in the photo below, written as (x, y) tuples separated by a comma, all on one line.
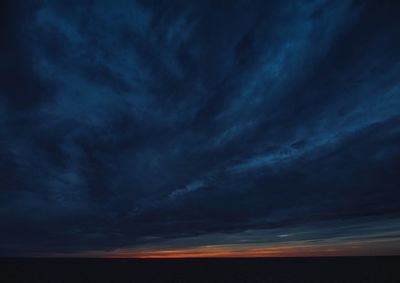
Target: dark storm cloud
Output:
[(128, 121)]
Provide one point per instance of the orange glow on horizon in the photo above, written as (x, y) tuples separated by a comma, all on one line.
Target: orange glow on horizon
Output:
[(305, 248), (229, 252)]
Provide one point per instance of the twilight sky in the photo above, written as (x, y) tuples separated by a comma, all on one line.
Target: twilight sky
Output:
[(199, 128)]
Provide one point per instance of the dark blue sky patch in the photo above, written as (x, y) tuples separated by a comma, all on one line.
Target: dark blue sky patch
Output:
[(168, 119)]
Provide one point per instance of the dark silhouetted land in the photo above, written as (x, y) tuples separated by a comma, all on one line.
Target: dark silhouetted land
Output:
[(333, 269)]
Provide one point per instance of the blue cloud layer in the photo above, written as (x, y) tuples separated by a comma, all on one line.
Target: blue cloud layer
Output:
[(128, 120)]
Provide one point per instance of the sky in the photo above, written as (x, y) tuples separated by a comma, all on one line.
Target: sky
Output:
[(199, 128)]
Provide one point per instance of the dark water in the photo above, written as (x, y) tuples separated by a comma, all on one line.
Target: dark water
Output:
[(350, 269)]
